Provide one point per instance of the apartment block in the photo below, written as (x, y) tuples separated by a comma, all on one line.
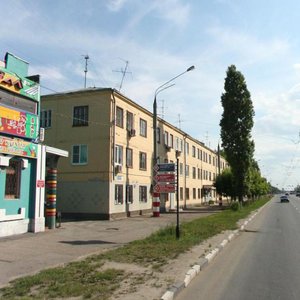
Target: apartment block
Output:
[(110, 170)]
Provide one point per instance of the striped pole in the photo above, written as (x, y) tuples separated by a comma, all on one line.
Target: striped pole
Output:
[(156, 205), (51, 182)]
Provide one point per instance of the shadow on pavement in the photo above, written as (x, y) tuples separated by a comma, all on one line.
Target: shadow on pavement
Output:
[(89, 242)]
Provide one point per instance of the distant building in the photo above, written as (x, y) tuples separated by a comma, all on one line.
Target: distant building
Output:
[(110, 138), (22, 156)]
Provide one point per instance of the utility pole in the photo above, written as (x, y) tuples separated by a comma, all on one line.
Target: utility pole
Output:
[(86, 57)]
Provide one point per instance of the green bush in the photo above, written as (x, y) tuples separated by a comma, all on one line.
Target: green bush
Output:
[(235, 206), (211, 202)]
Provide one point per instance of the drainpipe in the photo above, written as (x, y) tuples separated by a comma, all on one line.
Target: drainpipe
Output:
[(113, 133), (184, 168)]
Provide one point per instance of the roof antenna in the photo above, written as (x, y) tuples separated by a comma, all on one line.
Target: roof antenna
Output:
[(124, 72), (86, 57)]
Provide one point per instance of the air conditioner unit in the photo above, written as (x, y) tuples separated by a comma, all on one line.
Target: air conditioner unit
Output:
[(118, 168), (168, 148), (131, 132)]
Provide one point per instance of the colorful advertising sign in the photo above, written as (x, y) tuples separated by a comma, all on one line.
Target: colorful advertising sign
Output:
[(19, 85), (18, 123), (17, 147)]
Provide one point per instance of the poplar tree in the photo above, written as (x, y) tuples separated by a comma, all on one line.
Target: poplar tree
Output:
[(236, 125)]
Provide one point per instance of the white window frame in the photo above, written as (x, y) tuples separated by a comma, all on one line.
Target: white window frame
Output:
[(79, 155), (119, 155)]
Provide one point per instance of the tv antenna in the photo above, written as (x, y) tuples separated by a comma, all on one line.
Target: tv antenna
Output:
[(124, 72), (179, 121), (86, 57)]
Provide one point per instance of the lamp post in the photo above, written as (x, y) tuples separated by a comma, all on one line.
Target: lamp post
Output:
[(166, 85), (177, 194)]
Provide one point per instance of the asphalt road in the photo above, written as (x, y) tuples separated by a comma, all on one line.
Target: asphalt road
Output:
[(262, 263)]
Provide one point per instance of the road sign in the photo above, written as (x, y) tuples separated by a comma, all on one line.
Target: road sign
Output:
[(164, 188), (164, 177), (40, 183), (164, 167)]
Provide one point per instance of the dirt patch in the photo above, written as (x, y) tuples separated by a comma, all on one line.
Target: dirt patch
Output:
[(145, 283)]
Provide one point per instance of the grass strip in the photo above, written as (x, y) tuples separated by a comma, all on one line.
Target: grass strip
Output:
[(86, 279)]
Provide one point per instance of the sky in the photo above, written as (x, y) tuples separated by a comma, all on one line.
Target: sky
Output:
[(160, 39)]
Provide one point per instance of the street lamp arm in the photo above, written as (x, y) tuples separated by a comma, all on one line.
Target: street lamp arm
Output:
[(161, 88)]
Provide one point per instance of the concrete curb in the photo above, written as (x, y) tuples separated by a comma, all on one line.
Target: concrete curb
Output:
[(175, 289)]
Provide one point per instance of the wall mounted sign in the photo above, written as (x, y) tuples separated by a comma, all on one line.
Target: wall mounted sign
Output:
[(18, 147), (18, 123), (19, 85)]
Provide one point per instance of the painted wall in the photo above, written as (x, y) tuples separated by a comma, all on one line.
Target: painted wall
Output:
[(27, 192)]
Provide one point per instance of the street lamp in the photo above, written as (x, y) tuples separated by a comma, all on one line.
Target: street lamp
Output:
[(177, 194), (166, 85)]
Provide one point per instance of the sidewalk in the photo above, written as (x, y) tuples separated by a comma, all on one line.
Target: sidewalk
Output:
[(29, 253)]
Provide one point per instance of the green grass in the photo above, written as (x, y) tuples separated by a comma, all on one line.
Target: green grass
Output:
[(85, 279)]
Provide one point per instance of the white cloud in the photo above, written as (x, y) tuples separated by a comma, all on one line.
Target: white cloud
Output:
[(249, 48), (115, 5)]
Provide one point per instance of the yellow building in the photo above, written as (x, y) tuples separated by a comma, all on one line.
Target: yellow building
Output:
[(110, 138)]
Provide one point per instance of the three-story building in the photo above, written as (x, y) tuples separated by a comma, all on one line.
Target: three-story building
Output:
[(110, 170)]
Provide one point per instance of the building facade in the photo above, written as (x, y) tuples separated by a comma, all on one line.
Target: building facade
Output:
[(22, 156), (110, 170)]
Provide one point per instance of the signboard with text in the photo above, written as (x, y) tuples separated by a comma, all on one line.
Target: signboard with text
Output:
[(164, 178), (164, 188), (164, 167), (18, 123), (19, 85), (17, 147)]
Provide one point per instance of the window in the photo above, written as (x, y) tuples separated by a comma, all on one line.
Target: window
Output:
[(118, 194), (128, 157), (199, 193), (143, 193), (187, 193), (187, 148), (119, 117), (119, 154), (45, 118), (187, 170), (129, 121), (143, 161), (13, 179), (194, 173), (143, 128), (181, 193), (181, 168), (181, 145), (129, 193), (166, 138), (81, 116), (209, 159), (176, 143), (79, 154), (194, 193), (193, 151), (199, 176), (171, 141), (198, 153), (158, 135)]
